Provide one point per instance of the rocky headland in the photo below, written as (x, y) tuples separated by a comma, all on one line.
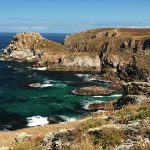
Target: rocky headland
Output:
[(32, 47), (122, 58), (120, 55)]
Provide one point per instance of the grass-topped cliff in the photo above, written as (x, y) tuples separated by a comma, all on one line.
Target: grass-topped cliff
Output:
[(124, 53), (120, 55)]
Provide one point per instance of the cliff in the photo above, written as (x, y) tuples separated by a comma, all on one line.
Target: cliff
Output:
[(124, 53), (119, 53), (32, 47)]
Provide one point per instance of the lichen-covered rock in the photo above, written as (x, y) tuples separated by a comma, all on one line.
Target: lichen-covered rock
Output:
[(23, 136), (93, 90), (58, 140), (135, 92)]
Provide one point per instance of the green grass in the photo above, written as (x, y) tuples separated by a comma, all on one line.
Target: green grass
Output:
[(133, 113), (107, 137), (93, 123)]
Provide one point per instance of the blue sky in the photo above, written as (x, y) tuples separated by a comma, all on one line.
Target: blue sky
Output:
[(68, 16)]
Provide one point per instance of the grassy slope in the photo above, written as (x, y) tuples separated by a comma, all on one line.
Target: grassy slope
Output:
[(112, 133)]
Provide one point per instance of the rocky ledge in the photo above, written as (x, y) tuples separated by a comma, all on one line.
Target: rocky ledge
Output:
[(135, 92), (93, 91)]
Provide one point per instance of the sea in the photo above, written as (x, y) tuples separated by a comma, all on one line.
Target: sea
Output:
[(30, 97)]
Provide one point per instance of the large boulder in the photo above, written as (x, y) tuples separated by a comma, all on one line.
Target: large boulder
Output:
[(58, 140), (135, 92), (23, 136)]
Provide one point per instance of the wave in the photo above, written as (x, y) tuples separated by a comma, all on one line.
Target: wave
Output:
[(41, 121), (67, 119), (57, 84), (41, 69), (82, 75), (115, 95), (41, 85), (9, 66), (37, 121)]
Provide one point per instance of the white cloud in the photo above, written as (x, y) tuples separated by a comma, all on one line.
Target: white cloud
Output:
[(29, 27)]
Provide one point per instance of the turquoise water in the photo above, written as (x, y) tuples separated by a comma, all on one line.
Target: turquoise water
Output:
[(30, 97), (19, 98)]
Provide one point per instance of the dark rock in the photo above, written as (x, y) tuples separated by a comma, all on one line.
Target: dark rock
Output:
[(58, 140), (135, 92), (146, 44), (125, 45)]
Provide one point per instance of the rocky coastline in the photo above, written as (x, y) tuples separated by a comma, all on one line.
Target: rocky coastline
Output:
[(121, 56)]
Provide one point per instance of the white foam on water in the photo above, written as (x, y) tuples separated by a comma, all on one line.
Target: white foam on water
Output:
[(37, 121), (41, 69), (87, 104), (57, 84), (115, 95), (9, 66), (40, 85), (82, 75), (67, 119), (74, 92)]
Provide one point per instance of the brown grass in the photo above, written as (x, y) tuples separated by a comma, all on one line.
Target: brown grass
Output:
[(8, 138)]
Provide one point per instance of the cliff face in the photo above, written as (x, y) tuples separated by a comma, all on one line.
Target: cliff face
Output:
[(32, 47), (124, 53), (119, 53)]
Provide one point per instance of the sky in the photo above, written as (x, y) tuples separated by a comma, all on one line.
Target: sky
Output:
[(69, 16)]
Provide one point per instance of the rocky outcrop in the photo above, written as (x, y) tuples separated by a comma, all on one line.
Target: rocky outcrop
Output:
[(93, 90), (58, 140), (23, 136), (32, 47), (135, 92), (24, 47), (124, 53), (105, 106), (120, 54)]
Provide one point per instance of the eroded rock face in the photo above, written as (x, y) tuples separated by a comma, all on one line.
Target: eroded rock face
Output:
[(124, 53), (32, 47), (23, 47), (119, 53), (70, 62), (135, 92), (58, 140)]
